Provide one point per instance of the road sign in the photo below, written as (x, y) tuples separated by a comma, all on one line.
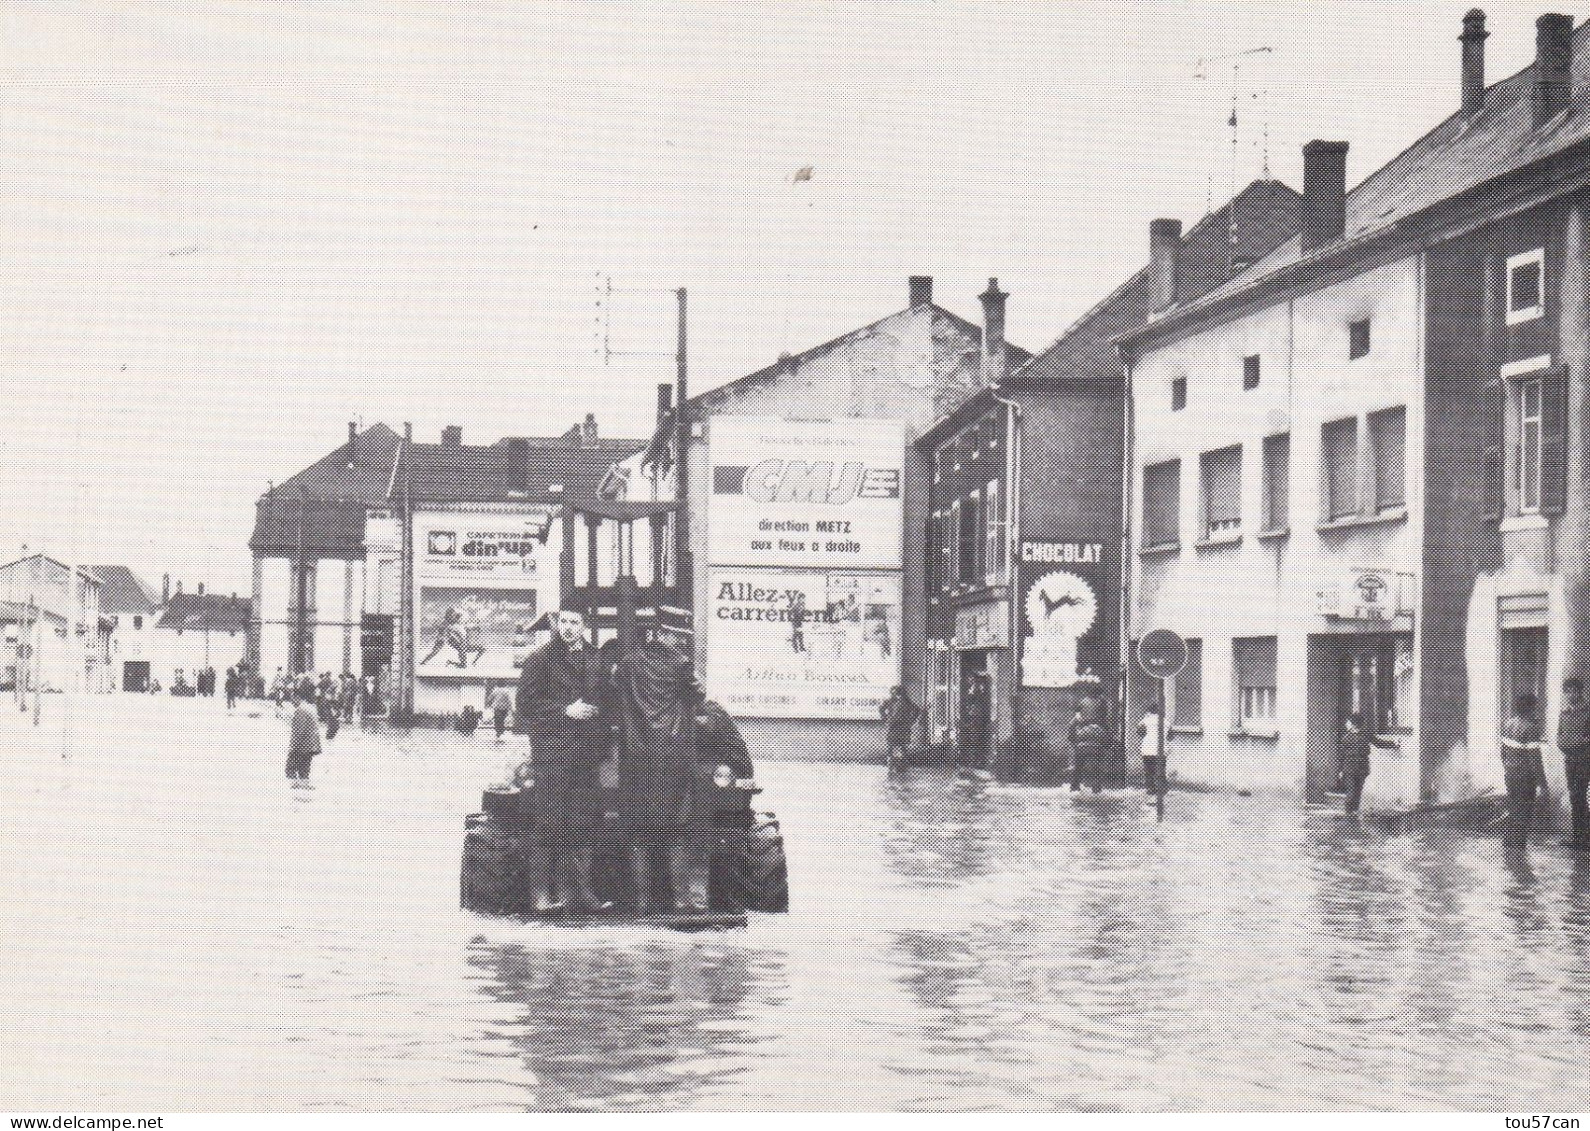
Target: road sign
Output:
[(1162, 653)]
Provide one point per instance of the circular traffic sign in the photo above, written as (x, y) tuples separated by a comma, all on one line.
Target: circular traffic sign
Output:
[(1162, 653)]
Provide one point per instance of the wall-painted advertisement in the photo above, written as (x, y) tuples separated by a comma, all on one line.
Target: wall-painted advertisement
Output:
[(802, 643), (1066, 588), (805, 493), (480, 633)]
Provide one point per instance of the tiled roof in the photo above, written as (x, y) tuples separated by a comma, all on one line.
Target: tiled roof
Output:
[(287, 524), (1462, 153), (123, 591), (505, 472), (360, 469), (199, 612), (1250, 226)]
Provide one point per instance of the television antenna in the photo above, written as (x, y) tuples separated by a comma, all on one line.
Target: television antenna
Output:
[(1201, 72)]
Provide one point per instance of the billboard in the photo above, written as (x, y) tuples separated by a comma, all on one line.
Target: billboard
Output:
[(473, 632), (1067, 590), (472, 547), (820, 494), (802, 643)]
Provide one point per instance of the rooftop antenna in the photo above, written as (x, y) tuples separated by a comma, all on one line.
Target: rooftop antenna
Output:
[(1200, 71)]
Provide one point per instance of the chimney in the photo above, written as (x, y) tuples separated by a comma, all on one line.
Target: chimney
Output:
[(1324, 193), (353, 431), (588, 431), (519, 465), (165, 589), (921, 290), (1553, 53), (993, 299), (1473, 41), (201, 588), (1164, 248), (453, 436), (179, 587)]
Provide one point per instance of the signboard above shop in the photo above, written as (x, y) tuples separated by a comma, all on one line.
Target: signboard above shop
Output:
[(485, 546), (1366, 594), (794, 494)]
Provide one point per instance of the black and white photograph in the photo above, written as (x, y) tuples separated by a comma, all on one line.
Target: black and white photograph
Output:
[(669, 556)]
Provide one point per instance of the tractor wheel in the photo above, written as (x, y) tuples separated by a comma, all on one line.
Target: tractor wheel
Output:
[(765, 872), (492, 877)]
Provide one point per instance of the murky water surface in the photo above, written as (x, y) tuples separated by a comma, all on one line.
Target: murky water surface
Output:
[(184, 930)]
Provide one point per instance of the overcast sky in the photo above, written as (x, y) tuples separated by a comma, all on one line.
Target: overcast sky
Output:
[(227, 229)]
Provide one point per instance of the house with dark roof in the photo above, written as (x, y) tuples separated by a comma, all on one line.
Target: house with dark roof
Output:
[(1358, 480), (421, 565), (131, 606), (1025, 522), (770, 513)]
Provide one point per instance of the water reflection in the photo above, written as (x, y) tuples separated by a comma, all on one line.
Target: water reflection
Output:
[(652, 1026)]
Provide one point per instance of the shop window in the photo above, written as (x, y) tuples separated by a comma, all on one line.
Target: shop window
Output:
[(1357, 339), (1339, 453), (1250, 371), (1178, 394), (1253, 674), (1526, 286), (1187, 690), (1222, 491), (1387, 443), (1277, 481), (1162, 503)]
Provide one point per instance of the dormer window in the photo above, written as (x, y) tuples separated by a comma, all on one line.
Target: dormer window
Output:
[(1250, 371), (1178, 394), (1526, 286), (1357, 339)]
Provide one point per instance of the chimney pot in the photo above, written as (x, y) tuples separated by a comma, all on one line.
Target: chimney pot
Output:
[(201, 588), (1473, 40), (1553, 57), (1324, 193), (921, 287), (1164, 249), (993, 352), (353, 431), (453, 435), (588, 431)]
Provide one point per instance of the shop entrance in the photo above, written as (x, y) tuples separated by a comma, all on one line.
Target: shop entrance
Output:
[(1370, 674), (135, 675), (1523, 668), (974, 711)]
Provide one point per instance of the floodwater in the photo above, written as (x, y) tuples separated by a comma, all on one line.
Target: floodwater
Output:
[(185, 930)]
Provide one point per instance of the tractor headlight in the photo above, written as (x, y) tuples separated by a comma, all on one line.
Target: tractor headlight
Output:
[(723, 777)]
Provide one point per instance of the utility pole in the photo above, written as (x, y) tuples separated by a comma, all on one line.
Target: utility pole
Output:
[(34, 670), (682, 564), (405, 665)]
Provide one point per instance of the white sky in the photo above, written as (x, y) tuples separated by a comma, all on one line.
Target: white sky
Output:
[(227, 229)]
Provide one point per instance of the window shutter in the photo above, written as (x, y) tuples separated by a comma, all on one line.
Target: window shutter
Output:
[(1553, 440), (1494, 495)]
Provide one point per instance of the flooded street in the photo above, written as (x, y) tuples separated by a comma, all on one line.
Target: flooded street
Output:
[(185, 930)]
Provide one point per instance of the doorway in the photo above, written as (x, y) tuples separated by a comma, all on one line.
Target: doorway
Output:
[(974, 711), (1367, 674), (1523, 667), (135, 675)]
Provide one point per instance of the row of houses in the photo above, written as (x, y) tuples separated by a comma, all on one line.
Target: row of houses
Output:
[(114, 633), (1334, 438)]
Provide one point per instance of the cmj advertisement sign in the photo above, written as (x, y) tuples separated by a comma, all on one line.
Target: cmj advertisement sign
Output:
[(479, 633), (802, 643), (805, 493)]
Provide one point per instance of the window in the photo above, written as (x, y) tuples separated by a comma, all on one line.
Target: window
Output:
[(971, 541), (930, 541), (1387, 440), (1357, 339), (1339, 451), (1277, 481), (1253, 675), (1526, 286), (1162, 503), (1250, 371), (1526, 445), (1178, 394), (993, 534), (1187, 689), (1222, 483)]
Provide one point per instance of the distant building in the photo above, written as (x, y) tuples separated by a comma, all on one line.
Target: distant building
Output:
[(132, 608), (435, 616), (69, 648)]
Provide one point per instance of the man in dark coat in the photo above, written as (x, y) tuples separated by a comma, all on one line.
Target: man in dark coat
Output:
[(653, 699), (1352, 758), (304, 743), (561, 689), (899, 714)]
